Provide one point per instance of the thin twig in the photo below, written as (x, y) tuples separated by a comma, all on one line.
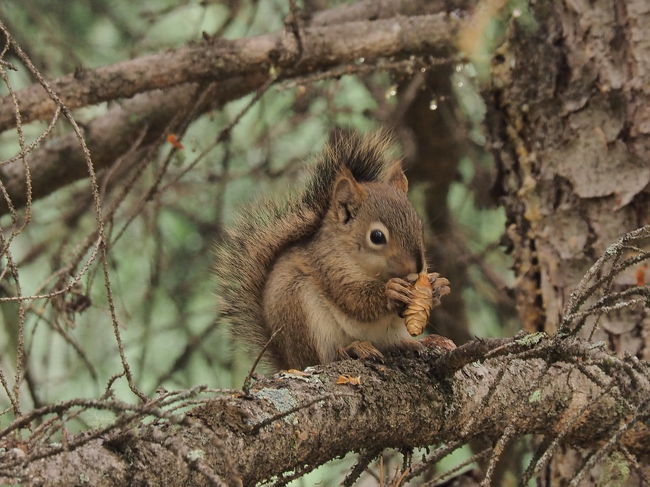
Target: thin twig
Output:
[(497, 452), (361, 465), (247, 382)]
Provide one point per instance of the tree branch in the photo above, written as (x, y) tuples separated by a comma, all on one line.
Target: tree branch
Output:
[(403, 404), (219, 59), (382, 9), (60, 161)]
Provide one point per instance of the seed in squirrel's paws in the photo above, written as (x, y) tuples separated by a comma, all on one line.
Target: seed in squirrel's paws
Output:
[(417, 313)]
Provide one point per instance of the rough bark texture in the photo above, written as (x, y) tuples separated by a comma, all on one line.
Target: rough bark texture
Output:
[(404, 404), (570, 120)]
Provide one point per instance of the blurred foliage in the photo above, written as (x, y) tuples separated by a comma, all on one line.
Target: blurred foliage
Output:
[(161, 265)]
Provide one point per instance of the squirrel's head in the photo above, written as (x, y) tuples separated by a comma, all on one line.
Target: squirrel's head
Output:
[(376, 226)]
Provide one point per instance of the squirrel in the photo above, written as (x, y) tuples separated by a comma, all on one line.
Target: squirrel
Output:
[(326, 274)]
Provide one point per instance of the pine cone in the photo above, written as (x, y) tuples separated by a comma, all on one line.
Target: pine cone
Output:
[(417, 313)]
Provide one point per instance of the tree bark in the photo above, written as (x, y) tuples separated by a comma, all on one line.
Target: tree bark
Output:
[(570, 124)]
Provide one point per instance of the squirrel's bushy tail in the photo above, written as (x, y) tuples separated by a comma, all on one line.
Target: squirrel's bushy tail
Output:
[(262, 231)]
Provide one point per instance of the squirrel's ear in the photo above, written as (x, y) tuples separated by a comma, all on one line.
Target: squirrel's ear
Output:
[(347, 197), (397, 178)]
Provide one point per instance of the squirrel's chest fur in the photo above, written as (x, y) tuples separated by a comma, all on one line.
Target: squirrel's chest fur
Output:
[(314, 327), (342, 329)]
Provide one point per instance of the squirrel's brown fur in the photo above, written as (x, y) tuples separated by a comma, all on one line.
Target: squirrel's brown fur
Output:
[(276, 257)]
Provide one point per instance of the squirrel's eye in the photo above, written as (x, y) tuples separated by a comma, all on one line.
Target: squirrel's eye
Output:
[(377, 237)]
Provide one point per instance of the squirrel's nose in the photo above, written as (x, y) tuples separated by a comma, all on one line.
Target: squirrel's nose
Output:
[(406, 265)]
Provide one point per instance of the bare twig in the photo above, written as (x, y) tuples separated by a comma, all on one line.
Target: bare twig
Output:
[(247, 382)]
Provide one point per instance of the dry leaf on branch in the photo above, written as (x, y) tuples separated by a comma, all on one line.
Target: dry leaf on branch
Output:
[(348, 379), (173, 140), (295, 374), (301, 373)]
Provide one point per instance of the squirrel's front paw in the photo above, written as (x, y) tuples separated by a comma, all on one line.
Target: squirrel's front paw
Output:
[(440, 287), (399, 294), (361, 351)]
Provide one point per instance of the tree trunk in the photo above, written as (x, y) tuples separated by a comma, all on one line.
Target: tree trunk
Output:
[(569, 119), (437, 143)]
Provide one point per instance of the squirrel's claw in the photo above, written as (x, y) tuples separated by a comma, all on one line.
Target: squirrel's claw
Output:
[(440, 287), (399, 294), (360, 350)]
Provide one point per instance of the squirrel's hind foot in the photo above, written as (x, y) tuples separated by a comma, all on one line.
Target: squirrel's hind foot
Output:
[(438, 341), (408, 348), (360, 350)]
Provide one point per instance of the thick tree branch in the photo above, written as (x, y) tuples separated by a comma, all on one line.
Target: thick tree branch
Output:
[(60, 161), (382, 9), (218, 59), (402, 404)]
